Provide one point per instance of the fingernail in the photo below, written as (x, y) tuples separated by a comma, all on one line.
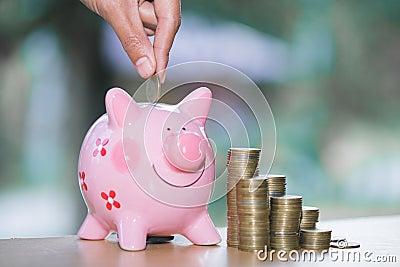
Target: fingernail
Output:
[(144, 67)]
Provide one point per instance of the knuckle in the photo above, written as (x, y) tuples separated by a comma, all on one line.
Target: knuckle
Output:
[(176, 22), (105, 11), (171, 22), (132, 43)]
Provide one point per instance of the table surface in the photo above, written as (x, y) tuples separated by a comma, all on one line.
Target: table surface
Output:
[(379, 238)]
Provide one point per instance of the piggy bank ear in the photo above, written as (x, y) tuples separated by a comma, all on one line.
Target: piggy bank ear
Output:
[(197, 104), (117, 103)]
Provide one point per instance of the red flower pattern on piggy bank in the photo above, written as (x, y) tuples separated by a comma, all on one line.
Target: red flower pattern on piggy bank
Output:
[(82, 176), (100, 147), (110, 200)]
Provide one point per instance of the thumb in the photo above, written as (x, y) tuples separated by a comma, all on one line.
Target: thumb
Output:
[(128, 26)]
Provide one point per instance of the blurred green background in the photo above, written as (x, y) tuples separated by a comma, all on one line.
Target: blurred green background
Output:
[(330, 70)]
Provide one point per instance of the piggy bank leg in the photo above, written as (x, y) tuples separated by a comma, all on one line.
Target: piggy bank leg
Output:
[(92, 229), (202, 231), (131, 235)]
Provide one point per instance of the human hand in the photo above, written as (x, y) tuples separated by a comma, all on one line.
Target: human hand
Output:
[(133, 21)]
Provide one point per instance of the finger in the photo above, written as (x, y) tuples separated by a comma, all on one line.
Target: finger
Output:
[(149, 32), (124, 17), (168, 14), (148, 15)]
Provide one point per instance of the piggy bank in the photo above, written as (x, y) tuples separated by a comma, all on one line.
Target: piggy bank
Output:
[(148, 169)]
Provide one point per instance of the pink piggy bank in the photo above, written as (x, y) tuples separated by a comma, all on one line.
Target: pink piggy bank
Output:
[(148, 169)]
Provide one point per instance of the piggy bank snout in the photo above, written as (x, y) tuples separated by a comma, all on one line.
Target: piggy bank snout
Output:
[(185, 151)]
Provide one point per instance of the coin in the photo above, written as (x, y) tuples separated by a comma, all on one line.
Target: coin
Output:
[(337, 238), (153, 86), (344, 245)]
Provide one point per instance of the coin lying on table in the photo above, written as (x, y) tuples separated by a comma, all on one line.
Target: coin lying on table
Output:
[(343, 244)]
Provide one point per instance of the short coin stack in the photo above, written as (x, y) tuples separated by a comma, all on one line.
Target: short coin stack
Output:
[(309, 217), (253, 213), (242, 164), (285, 213), (315, 239), (276, 185)]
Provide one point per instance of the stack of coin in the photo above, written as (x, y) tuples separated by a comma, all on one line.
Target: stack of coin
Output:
[(315, 239), (285, 217), (309, 217), (253, 213), (276, 185), (285, 241), (242, 164)]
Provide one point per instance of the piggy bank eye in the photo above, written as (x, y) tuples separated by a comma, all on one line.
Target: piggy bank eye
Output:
[(168, 129), (184, 128)]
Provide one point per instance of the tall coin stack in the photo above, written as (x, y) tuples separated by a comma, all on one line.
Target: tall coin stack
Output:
[(242, 164), (285, 217), (315, 239), (253, 213), (309, 217)]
